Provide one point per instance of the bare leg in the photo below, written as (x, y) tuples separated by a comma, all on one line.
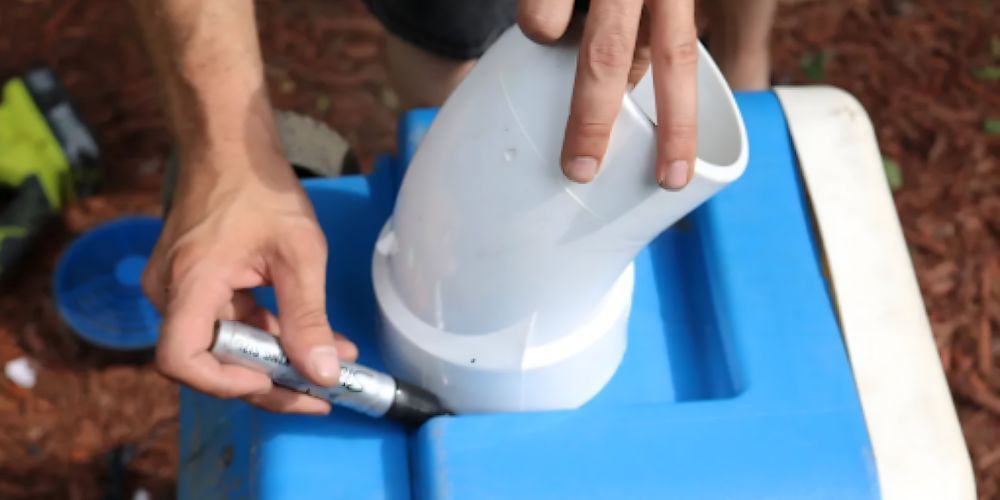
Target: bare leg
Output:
[(420, 78), (739, 39)]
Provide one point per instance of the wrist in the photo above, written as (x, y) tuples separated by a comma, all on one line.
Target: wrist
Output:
[(233, 148), (209, 169), (216, 119)]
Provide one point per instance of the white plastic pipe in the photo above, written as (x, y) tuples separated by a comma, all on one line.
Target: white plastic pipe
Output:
[(504, 286)]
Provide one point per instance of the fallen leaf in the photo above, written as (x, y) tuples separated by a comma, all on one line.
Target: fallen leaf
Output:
[(991, 126), (814, 65), (893, 173), (323, 104), (988, 73)]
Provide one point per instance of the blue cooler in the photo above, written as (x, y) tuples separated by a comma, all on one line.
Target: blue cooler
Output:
[(736, 382)]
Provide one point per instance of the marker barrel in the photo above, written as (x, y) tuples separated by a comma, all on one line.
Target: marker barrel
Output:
[(359, 388)]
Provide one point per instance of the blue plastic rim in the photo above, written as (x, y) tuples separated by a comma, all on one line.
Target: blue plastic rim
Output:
[(96, 284)]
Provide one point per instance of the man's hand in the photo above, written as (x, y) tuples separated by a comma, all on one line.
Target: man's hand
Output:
[(239, 217), (615, 50), (224, 236)]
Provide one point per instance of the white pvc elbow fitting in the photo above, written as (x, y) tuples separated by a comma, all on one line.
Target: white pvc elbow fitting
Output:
[(503, 286)]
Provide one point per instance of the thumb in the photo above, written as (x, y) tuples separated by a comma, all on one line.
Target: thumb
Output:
[(298, 272)]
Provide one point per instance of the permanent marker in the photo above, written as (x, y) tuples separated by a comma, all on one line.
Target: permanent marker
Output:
[(359, 388)]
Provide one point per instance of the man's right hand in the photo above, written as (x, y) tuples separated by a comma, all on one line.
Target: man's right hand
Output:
[(228, 233), (239, 217)]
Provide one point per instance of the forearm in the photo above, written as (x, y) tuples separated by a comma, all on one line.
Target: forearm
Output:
[(208, 57)]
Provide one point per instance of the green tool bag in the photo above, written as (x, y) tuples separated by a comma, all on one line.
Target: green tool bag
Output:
[(48, 157)]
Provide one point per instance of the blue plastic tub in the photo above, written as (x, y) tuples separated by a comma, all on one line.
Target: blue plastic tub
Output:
[(735, 383), (96, 284)]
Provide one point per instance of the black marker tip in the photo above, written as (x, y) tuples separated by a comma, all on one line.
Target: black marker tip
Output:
[(414, 406)]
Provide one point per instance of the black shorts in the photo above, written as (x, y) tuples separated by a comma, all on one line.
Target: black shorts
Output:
[(456, 29)]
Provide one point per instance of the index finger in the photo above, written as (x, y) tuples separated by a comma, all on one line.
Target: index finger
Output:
[(674, 46), (601, 78), (298, 269), (182, 353)]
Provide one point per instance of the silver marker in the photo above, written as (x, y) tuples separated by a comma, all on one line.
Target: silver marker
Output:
[(359, 388)]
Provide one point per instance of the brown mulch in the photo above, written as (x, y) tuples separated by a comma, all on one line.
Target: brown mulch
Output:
[(916, 66)]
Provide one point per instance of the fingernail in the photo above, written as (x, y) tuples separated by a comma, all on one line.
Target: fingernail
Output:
[(324, 362), (582, 168), (675, 176)]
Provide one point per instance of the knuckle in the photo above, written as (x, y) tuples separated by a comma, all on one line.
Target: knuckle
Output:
[(167, 365), (307, 244), (225, 393), (609, 51), (314, 247), (539, 24), (347, 351), (171, 370), (148, 281), (309, 318), (261, 401), (587, 130), (680, 132), (682, 54), (182, 261)]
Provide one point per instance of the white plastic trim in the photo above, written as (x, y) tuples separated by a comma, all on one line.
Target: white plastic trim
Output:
[(919, 449)]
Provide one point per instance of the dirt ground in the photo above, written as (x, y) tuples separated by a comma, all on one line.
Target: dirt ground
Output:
[(926, 71)]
